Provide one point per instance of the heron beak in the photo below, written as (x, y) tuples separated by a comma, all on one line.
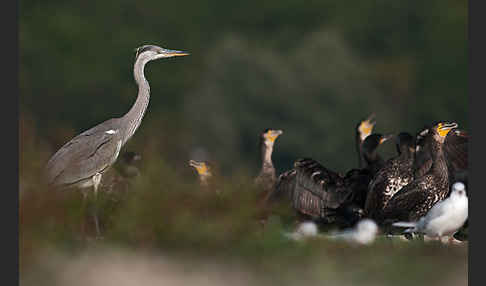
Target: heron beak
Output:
[(174, 53)]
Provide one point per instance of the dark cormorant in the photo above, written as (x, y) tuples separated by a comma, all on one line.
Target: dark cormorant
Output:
[(266, 178), (321, 194), (373, 161), (118, 179), (455, 151), (415, 199), (395, 174), (327, 196), (363, 129)]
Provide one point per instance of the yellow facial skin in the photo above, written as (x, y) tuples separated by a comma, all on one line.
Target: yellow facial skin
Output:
[(365, 129), (272, 135), (444, 130), (202, 169)]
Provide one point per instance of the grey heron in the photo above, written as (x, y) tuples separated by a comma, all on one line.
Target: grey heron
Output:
[(81, 162)]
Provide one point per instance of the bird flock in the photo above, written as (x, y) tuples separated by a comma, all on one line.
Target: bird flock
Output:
[(420, 190)]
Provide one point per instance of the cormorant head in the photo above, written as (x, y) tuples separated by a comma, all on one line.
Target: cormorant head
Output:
[(405, 142), (365, 127), (269, 135), (203, 168), (152, 52), (373, 141), (441, 129)]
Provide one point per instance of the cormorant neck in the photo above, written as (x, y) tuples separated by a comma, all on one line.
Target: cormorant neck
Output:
[(133, 117), (439, 165), (358, 149), (266, 153)]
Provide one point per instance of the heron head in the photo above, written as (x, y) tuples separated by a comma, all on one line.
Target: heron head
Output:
[(365, 127), (152, 52), (269, 135)]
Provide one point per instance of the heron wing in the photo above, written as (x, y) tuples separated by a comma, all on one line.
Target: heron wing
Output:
[(85, 155)]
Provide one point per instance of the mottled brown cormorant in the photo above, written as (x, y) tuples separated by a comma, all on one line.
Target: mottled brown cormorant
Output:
[(395, 174), (266, 178), (415, 199), (363, 129)]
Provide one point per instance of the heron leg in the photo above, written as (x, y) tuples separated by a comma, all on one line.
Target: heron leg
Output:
[(96, 181)]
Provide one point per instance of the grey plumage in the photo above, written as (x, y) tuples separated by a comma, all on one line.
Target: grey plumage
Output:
[(81, 161)]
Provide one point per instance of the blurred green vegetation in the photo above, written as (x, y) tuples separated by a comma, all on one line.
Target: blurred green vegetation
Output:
[(312, 68)]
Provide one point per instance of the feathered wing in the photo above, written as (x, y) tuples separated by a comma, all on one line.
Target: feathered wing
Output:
[(85, 155), (317, 188), (404, 201), (284, 187), (455, 149)]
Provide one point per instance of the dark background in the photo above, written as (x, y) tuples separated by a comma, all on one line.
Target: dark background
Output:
[(313, 70)]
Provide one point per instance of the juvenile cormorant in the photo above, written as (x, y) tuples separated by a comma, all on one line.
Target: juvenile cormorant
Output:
[(395, 174), (203, 169), (363, 129), (415, 199), (266, 178)]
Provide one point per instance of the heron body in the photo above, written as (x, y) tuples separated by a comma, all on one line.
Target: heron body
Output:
[(82, 161)]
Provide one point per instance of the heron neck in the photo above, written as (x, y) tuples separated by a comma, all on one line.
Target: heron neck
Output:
[(134, 116)]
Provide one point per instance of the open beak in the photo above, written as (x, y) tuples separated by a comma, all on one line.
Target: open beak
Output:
[(194, 164), (449, 126), (174, 53), (371, 119)]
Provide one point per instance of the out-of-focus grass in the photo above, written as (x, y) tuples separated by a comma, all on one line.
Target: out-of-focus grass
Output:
[(167, 230)]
